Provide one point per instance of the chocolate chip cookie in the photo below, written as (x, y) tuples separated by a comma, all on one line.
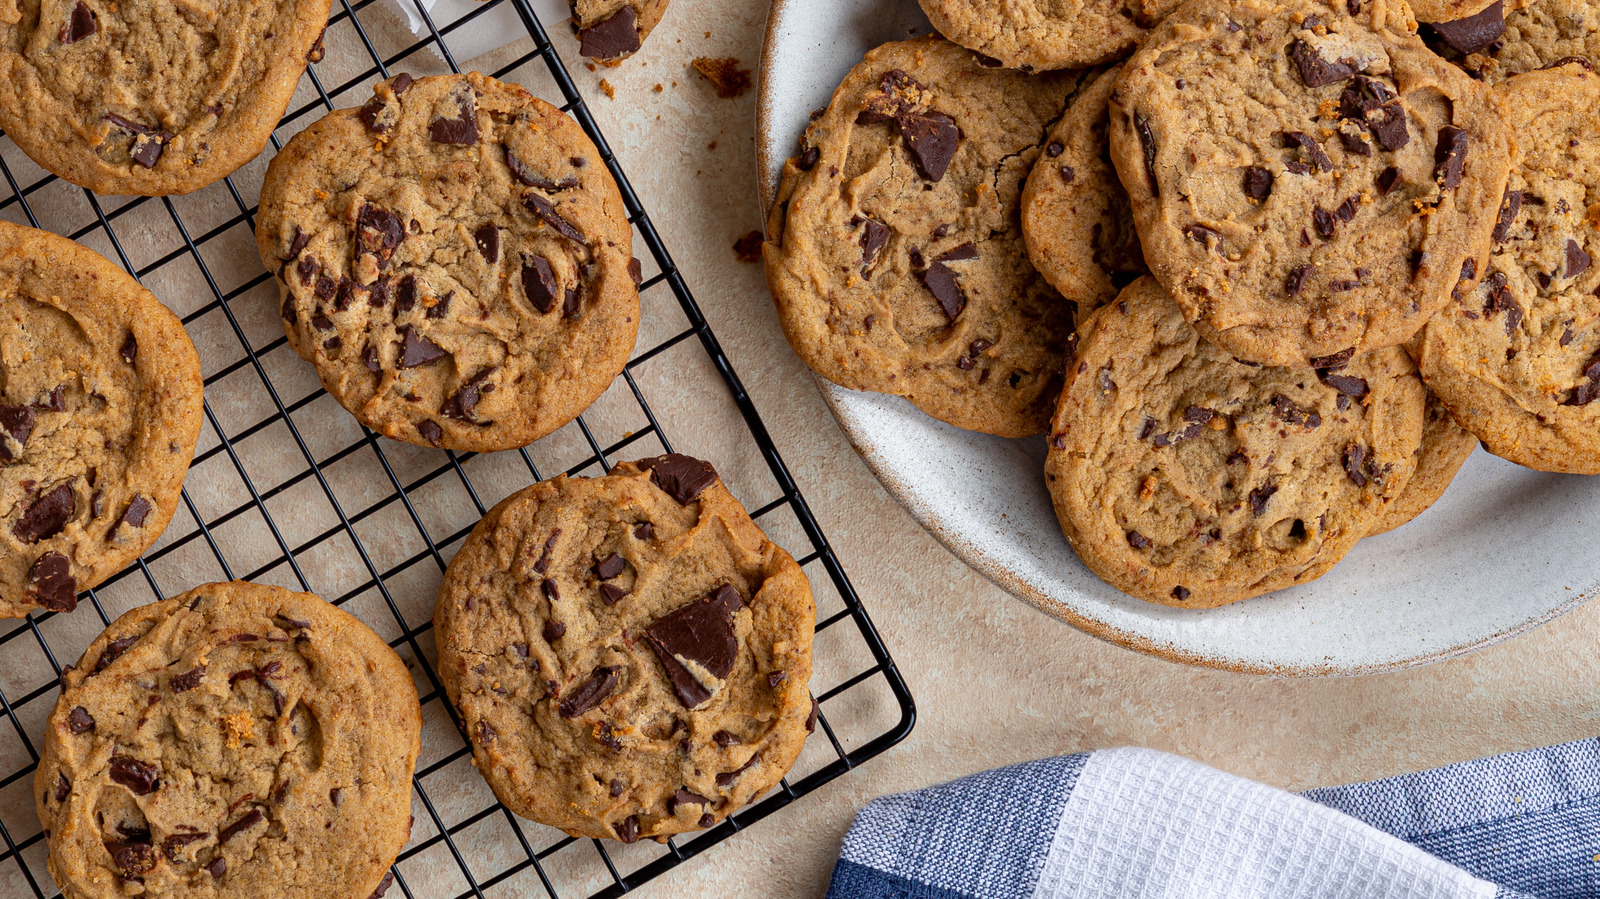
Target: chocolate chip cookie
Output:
[(894, 252), (1039, 35), (1497, 43), (1517, 357), (1075, 215), (148, 97), (628, 654), (237, 740), (455, 260), (1445, 448), (1306, 178), (1186, 477), (100, 407), (610, 31)]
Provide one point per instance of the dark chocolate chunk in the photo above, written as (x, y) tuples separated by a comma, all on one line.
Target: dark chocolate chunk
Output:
[(1509, 207), (941, 282), (1180, 593), (246, 821), (378, 233), (644, 531), (460, 405), (572, 302), (609, 567), (931, 139), (440, 309), (1053, 149), (63, 787), (1500, 300), (553, 631), (628, 828), (486, 733), (1388, 180), (1355, 143), (487, 238), (533, 179), (776, 677), (79, 721), (54, 587), (1138, 540), (808, 159), (811, 718), (898, 95), (542, 565), (590, 693), (130, 349), (461, 130), (611, 38), (1260, 496), (1326, 224), (1336, 361), (1203, 235), (1374, 106), (112, 652), (1314, 70), (724, 739), (962, 253), (726, 778), (369, 357), (1590, 389), (1067, 173), (1450, 157), (1299, 276), (550, 590), (682, 798), (1577, 259), (383, 885), (137, 776), (219, 866), (58, 403), (1475, 32), (683, 478), (79, 25), (1147, 142), (1349, 385), (1257, 183), (138, 510), (147, 148), (188, 680), (701, 632), (47, 516), (1287, 412), (546, 211), (1355, 464), (401, 82), (416, 350), (611, 594), (17, 422), (368, 114), (874, 234), (1315, 155), (539, 283), (133, 858), (174, 844)]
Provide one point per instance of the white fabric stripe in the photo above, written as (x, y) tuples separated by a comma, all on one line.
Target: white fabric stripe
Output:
[(1142, 824)]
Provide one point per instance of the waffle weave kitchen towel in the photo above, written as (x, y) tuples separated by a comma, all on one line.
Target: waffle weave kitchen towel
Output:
[(1139, 824)]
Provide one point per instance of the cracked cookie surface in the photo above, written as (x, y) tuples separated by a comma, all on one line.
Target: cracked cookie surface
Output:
[(1517, 358), (148, 97), (100, 407), (1185, 477), (1306, 180), (455, 260), (1075, 214), (236, 741), (894, 251), (610, 31), (629, 654), (1039, 35)]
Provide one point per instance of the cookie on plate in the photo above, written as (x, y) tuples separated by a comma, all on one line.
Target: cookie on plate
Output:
[(454, 259), (100, 407), (1517, 358), (610, 31), (1039, 35), (1497, 44), (237, 740), (628, 654), (146, 97), (1185, 477), (1445, 448), (1075, 215), (893, 250), (1305, 179)]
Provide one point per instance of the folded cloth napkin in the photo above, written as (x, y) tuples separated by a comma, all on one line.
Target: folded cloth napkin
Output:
[(1134, 823)]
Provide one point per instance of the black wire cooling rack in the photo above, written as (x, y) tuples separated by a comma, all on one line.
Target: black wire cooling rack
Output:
[(286, 488)]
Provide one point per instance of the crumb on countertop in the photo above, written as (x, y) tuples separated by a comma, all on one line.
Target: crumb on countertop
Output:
[(610, 91), (725, 75), (748, 247)]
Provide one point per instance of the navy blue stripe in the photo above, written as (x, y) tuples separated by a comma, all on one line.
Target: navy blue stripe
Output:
[(853, 881)]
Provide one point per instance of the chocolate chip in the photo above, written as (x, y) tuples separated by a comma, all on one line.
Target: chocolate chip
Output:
[(1509, 207), (776, 677), (701, 632), (602, 680), (532, 179), (1180, 593), (138, 510), (79, 25), (54, 586), (378, 233), (133, 858), (571, 303), (1314, 153), (63, 787), (706, 820), (17, 423), (137, 776), (188, 680), (931, 138), (1346, 210), (1299, 277), (217, 867), (550, 590), (811, 719), (1348, 385), (1355, 464), (368, 114), (1388, 180), (1475, 32), (636, 271), (461, 130), (727, 778), (1257, 183), (1450, 157), (48, 515), (553, 631), (79, 721), (1287, 412), (941, 282), (1314, 70), (542, 565), (1324, 222), (682, 798), (431, 432), (1500, 300), (246, 821), (487, 238), (644, 531), (609, 567), (58, 403), (1590, 389), (1138, 540), (1375, 107), (628, 828), (1147, 142), (612, 37), (1355, 143), (611, 594), (1577, 259), (130, 349), (546, 212), (874, 234), (683, 478), (486, 733), (460, 405), (113, 652), (1260, 496), (724, 739), (808, 159), (416, 350), (383, 885), (147, 148), (1068, 175), (539, 283), (174, 844)]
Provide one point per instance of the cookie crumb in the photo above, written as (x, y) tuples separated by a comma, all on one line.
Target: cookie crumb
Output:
[(658, 88), (610, 91), (748, 247), (239, 727), (725, 75)]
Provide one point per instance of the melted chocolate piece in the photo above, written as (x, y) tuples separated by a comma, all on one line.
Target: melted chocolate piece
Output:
[(874, 234), (461, 130), (546, 211), (79, 721), (724, 739), (17, 422), (682, 798), (416, 350), (48, 515), (1450, 157), (130, 349), (1473, 33), (138, 510), (112, 652), (246, 821), (1314, 153), (683, 478), (1314, 70), (1356, 463), (1374, 106), (1509, 207), (726, 778), (174, 844), (590, 693), (487, 239), (79, 25), (628, 828), (137, 776), (703, 633), (539, 283), (1260, 496), (609, 567), (1577, 259), (133, 858), (931, 139), (383, 885), (1299, 276), (1147, 142), (460, 405), (611, 594), (1348, 385), (1257, 183), (811, 719), (1284, 410), (940, 281), (188, 680), (611, 38), (217, 867), (1388, 180), (378, 233)]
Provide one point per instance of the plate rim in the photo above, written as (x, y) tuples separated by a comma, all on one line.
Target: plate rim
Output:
[(999, 575)]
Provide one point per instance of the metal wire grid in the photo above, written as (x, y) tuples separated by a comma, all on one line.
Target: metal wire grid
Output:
[(464, 843)]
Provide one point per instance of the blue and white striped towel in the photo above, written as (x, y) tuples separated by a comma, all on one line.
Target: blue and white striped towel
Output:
[(1136, 823)]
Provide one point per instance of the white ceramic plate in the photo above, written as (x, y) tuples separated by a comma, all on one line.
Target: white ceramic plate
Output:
[(1504, 551)]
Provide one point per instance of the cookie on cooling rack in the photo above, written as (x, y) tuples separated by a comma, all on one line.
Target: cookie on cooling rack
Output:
[(148, 97), (1185, 477), (893, 249), (610, 31), (455, 260), (1517, 358), (237, 740), (100, 407), (1305, 177), (628, 654)]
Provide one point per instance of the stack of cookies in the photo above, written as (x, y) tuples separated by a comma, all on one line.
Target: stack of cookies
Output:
[(1265, 274)]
